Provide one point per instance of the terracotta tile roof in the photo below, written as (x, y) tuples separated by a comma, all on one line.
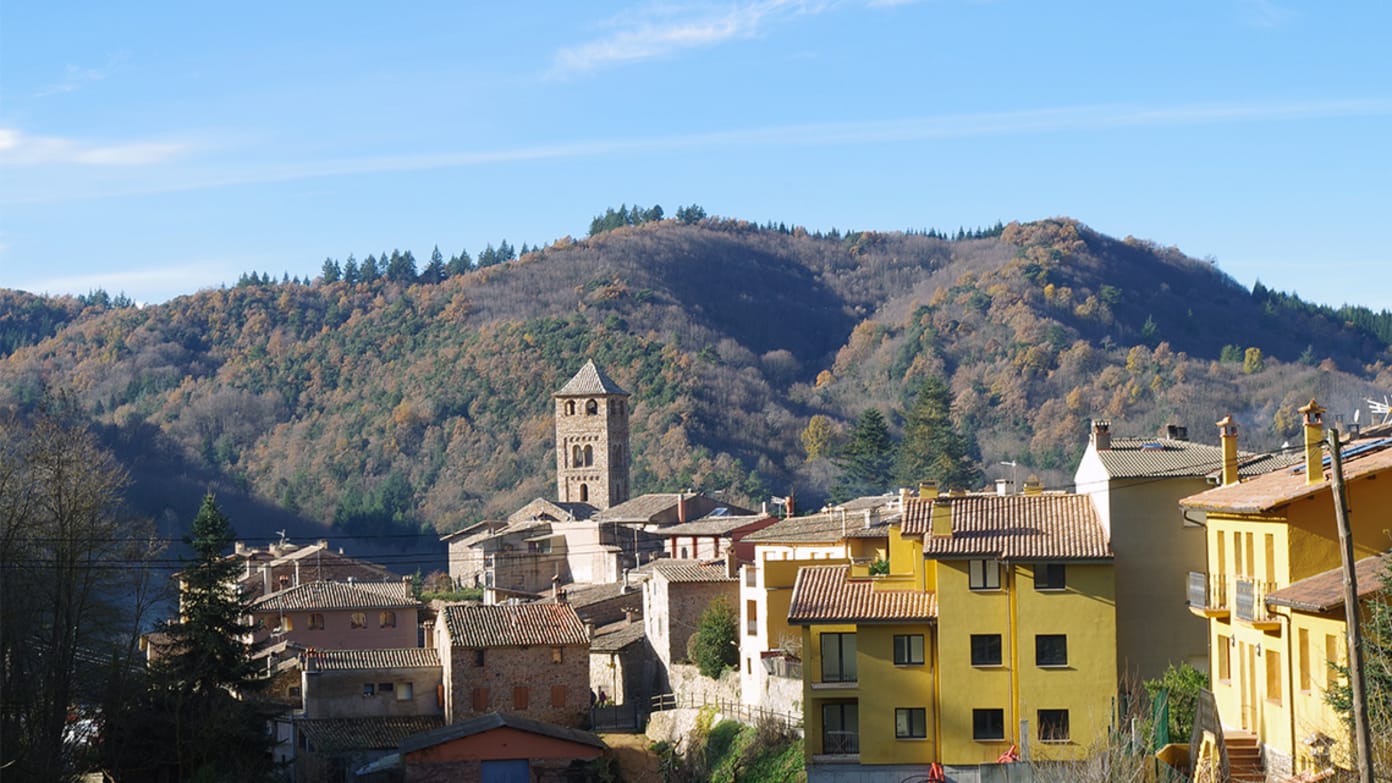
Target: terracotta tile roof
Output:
[(336, 735), (352, 660), (553, 511), (519, 625), (1156, 457), (693, 570), (1281, 487), (824, 594), (1325, 591), (644, 507), (590, 380), (497, 720), (711, 525), (1012, 527), (825, 528), (337, 595), (617, 637)]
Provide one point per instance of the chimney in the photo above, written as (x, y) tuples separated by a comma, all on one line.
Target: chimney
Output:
[(1227, 433), (628, 616), (1002, 487), (927, 488), (240, 548), (625, 588), (1101, 434), (1314, 442), (589, 627), (940, 518), (1033, 486), (1177, 432), (731, 564), (681, 507)]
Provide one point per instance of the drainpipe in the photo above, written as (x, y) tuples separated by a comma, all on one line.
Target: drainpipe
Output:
[(1290, 682), (1014, 654), (937, 698)]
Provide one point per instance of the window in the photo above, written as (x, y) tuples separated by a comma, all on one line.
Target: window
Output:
[(988, 725), (1305, 660), (286, 623), (986, 649), (908, 649), (1270, 557), (478, 657), (584, 493), (386, 687), (557, 655), (1273, 676), (405, 691), (577, 458), (519, 698), (1049, 576), (910, 722), (387, 619), (591, 407), (359, 620), (1224, 659), (838, 657), (1053, 725), (480, 700), (570, 407), (1051, 649), (558, 695), (751, 611), (984, 574), (369, 689), (840, 728), (589, 455), (1331, 659), (316, 622)]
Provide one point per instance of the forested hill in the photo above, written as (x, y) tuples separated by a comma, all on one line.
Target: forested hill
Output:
[(391, 404)]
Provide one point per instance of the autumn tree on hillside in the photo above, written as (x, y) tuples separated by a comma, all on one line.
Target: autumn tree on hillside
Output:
[(933, 448), (866, 460)]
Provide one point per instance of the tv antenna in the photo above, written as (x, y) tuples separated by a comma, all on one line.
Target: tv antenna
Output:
[(1383, 409)]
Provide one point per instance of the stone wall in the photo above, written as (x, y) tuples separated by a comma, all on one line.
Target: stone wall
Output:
[(341, 694), (526, 681)]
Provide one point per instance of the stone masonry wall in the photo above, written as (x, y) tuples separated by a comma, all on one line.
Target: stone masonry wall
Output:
[(526, 681)]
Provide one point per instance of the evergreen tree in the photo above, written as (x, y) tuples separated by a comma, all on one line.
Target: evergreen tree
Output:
[(933, 448), (208, 637), (461, 263), (401, 267), (351, 275), (867, 459)]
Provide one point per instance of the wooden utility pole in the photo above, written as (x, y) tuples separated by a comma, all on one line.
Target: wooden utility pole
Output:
[(1363, 746)]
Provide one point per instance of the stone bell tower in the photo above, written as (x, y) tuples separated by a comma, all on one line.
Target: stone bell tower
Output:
[(592, 440)]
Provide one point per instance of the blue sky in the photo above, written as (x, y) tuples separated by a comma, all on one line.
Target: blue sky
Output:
[(158, 148)]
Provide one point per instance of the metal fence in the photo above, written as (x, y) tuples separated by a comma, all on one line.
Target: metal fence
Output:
[(738, 711)]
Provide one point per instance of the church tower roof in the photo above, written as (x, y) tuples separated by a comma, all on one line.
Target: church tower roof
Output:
[(590, 381)]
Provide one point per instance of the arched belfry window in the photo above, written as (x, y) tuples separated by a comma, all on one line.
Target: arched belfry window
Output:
[(584, 493), (575, 458), (570, 407), (592, 407), (589, 456)]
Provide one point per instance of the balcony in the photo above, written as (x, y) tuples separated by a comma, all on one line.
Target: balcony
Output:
[(1250, 602), (840, 743), (1208, 594)]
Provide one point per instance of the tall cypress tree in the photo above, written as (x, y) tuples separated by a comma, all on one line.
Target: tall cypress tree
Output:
[(867, 459), (933, 448)]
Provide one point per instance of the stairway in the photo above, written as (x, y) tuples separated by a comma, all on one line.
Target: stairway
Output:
[(1244, 757)]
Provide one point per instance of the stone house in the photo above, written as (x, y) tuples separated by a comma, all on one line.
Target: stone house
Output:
[(285, 565), (713, 535), (676, 596), (372, 683), (623, 664), (340, 615), (527, 659)]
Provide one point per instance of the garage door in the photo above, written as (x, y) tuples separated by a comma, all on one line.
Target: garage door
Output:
[(509, 771)]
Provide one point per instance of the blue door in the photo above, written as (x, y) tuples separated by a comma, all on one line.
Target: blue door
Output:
[(507, 771)]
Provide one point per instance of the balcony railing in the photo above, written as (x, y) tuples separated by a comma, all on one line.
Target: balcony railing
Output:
[(1207, 591), (1250, 600), (840, 743)]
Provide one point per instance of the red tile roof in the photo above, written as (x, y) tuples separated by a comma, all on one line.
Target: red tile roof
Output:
[(518, 625), (1325, 591), (337, 595), (1012, 527), (352, 660), (824, 594), (693, 570), (1278, 488)]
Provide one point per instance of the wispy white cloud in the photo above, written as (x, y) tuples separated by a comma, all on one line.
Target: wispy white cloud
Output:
[(75, 77), (1085, 119), (651, 33), (1264, 13), (20, 149)]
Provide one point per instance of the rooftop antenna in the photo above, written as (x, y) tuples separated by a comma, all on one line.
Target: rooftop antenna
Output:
[(1383, 408), (282, 537)]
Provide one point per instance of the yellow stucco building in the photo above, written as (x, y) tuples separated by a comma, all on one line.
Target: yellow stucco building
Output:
[(993, 627), (1272, 592)]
